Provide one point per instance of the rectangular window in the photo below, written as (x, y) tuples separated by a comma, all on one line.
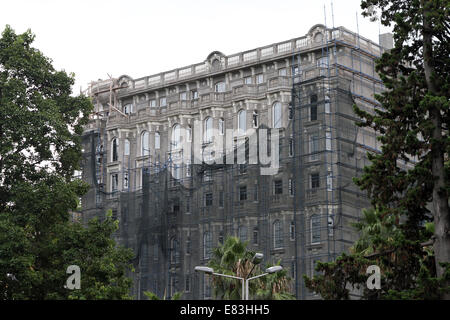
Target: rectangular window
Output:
[(221, 127), (157, 140), (114, 182), (292, 230), (313, 267), (291, 111), (327, 105), (314, 147), (313, 108), (188, 168), (328, 140), (330, 181), (282, 72), (125, 180), (152, 103), (278, 187), (322, 62), (194, 94), (208, 199), (315, 229), (162, 102), (255, 236), (183, 96), (315, 180), (243, 193), (248, 80), (313, 112), (259, 78)]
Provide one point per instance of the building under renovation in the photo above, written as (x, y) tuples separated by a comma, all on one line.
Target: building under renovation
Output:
[(174, 205)]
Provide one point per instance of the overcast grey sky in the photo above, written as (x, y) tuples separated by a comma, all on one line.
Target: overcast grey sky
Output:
[(139, 38)]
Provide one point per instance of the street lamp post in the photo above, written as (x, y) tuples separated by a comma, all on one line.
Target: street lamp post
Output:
[(209, 270), (268, 271), (245, 291)]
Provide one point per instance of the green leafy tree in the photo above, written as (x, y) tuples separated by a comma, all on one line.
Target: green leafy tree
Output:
[(233, 258), (40, 149), (415, 117), (411, 174), (405, 265)]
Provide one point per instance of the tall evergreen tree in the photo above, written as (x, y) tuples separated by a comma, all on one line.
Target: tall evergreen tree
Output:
[(40, 148), (415, 117), (408, 182)]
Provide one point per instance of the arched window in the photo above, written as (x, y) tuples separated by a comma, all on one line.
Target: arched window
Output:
[(174, 251), (207, 245), (219, 87), (157, 140), (176, 137), (208, 130), (315, 228), (128, 108), (277, 235), (115, 149), (126, 148), (242, 122), (145, 149), (276, 115)]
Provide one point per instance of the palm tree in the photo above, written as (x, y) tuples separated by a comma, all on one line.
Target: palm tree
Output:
[(275, 286), (233, 258)]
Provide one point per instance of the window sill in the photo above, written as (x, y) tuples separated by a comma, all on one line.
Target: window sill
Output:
[(315, 245), (113, 163), (277, 250)]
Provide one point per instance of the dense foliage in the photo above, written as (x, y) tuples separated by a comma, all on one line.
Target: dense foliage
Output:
[(40, 149), (408, 181), (233, 258)]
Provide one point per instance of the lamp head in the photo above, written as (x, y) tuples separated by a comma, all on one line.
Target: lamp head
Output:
[(257, 258), (274, 269), (207, 270)]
